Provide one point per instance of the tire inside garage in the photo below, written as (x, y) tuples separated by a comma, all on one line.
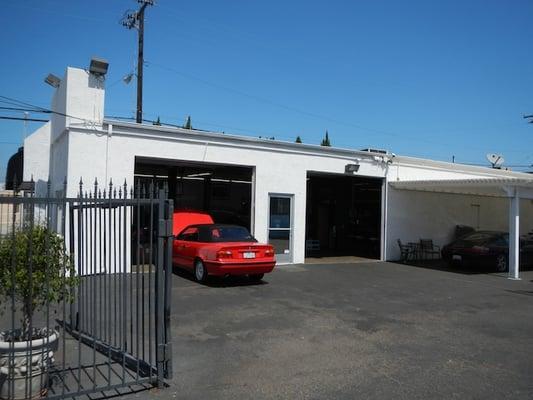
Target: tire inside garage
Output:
[(343, 216)]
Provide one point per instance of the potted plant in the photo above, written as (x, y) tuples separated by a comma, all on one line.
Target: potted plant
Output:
[(51, 281)]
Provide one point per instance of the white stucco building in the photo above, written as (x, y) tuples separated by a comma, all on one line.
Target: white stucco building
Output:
[(300, 197)]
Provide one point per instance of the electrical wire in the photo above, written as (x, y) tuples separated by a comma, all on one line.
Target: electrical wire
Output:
[(41, 109), (21, 103), (24, 109), (295, 109), (25, 119)]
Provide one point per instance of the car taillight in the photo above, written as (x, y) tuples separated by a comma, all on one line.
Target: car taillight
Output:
[(224, 254), (269, 252), (480, 249)]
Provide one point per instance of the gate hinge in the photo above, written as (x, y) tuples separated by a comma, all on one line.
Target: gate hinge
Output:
[(165, 228)]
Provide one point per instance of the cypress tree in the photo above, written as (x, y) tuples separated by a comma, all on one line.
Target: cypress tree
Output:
[(325, 141), (188, 123)]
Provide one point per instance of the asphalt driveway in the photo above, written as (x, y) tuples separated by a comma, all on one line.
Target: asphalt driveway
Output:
[(367, 330)]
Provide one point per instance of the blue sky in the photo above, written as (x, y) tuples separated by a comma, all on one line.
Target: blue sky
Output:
[(422, 78)]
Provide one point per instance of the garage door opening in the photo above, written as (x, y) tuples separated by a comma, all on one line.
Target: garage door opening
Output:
[(224, 191), (343, 216)]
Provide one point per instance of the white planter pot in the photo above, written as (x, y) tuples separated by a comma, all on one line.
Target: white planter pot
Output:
[(19, 372)]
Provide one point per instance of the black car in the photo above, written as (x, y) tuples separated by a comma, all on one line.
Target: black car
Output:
[(485, 249)]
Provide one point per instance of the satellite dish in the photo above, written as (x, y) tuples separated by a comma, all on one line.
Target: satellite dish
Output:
[(496, 160)]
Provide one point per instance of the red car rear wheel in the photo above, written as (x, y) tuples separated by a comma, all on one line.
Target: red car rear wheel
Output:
[(200, 272)]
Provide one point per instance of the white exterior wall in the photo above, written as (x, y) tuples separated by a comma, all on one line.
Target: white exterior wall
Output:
[(37, 158), (278, 170), (413, 215), (416, 215), (78, 101)]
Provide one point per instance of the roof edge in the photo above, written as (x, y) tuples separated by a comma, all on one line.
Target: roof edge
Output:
[(197, 134)]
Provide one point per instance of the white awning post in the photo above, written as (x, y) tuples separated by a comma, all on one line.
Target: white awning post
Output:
[(514, 235)]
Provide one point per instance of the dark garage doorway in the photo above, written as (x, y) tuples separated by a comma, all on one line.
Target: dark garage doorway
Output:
[(343, 216), (224, 191)]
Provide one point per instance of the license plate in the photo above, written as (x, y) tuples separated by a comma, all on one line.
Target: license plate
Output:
[(457, 257), (248, 254)]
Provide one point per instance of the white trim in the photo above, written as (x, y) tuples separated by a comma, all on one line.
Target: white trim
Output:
[(514, 236), (194, 136), (435, 165), (384, 213), (489, 187), (291, 197)]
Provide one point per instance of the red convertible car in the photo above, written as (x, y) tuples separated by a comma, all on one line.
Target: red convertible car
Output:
[(206, 248)]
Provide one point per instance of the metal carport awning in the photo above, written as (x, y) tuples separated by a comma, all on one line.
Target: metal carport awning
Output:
[(512, 188)]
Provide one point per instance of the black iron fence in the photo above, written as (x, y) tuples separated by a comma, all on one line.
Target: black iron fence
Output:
[(85, 287)]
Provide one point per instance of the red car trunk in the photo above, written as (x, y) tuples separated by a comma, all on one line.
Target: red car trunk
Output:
[(246, 251), (182, 219)]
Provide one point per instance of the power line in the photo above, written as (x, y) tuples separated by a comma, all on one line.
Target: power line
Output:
[(294, 109), (25, 119), (20, 102), (24, 109), (303, 112), (40, 109)]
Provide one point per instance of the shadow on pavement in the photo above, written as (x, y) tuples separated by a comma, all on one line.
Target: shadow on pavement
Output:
[(523, 292), (219, 281), (441, 265)]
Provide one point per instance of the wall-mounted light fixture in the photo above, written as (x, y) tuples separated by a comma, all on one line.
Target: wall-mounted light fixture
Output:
[(98, 66), (351, 168), (52, 80)]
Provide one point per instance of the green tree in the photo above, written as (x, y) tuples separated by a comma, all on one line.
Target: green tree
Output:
[(52, 278), (188, 123), (325, 141), (157, 122), (298, 139)]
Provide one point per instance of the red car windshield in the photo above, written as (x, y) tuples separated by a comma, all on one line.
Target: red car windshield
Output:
[(217, 233)]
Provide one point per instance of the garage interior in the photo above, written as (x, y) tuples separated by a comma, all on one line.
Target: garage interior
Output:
[(343, 216), (223, 191)]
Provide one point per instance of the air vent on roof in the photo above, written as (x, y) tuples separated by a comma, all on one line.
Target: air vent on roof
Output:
[(380, 151)]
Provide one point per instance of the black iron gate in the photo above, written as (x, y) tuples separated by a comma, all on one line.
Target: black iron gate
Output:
[(105, 309)]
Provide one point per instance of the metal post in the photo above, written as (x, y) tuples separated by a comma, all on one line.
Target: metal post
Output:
[(140, 62), (169, 213), (159, 285), (514, 236)]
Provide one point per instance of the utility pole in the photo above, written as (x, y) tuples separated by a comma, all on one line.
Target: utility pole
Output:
[(135, 19)]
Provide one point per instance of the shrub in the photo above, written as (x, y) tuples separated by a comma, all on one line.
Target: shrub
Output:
[(52, 275)]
